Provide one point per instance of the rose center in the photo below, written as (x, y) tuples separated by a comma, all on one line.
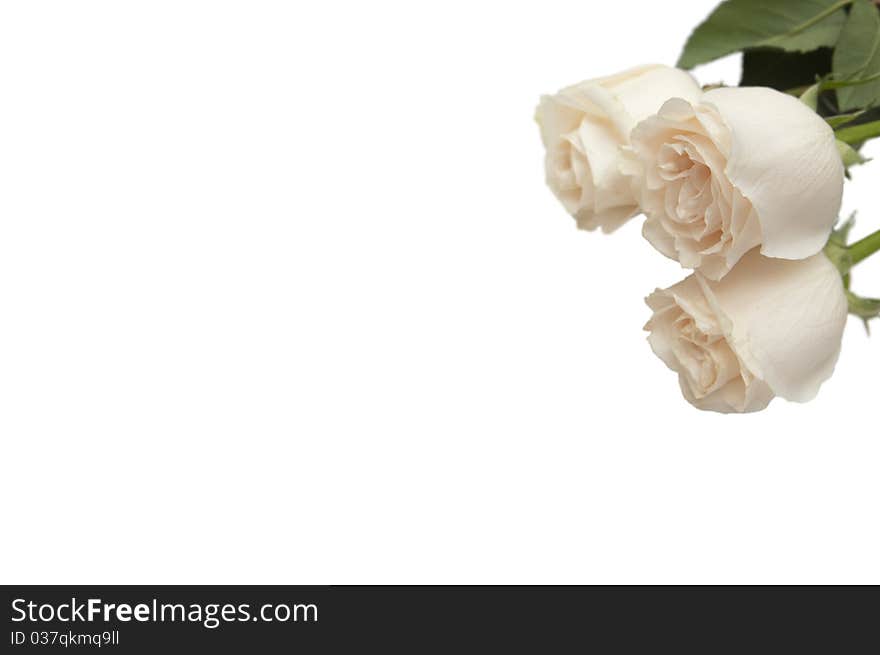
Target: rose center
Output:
[(707, 359)]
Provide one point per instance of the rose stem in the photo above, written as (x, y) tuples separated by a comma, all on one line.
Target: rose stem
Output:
[(864, 248)]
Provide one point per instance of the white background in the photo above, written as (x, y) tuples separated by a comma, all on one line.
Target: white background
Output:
[(283, 299)]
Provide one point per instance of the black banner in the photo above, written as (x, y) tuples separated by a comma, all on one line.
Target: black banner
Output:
[(269, 619)]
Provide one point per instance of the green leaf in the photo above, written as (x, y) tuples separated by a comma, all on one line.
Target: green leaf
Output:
[(793, 25), (858, 133), (823, 83), (848, 82), (858, 56)]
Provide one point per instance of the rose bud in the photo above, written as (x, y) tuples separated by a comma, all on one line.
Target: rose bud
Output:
[(741, 168), (771, 327), (583, 127)]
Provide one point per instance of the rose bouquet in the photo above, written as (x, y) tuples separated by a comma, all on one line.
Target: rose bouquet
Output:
[(742, 185)]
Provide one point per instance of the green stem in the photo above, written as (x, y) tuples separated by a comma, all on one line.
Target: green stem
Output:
[(864, 248)]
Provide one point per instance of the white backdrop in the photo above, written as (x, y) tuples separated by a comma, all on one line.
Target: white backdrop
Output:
[(284, 300)]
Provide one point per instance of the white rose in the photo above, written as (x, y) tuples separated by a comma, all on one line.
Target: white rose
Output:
[(771, 327), (583, 127), (743, 167)]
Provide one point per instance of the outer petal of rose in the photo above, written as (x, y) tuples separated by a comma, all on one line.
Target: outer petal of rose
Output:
[(635, 94), (555, 118), (784, 319), (733, 398), (784, 159), (613, 202)]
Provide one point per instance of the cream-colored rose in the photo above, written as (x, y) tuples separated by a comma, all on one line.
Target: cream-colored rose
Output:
[(583, 127), (741, 168), (771, 327)]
